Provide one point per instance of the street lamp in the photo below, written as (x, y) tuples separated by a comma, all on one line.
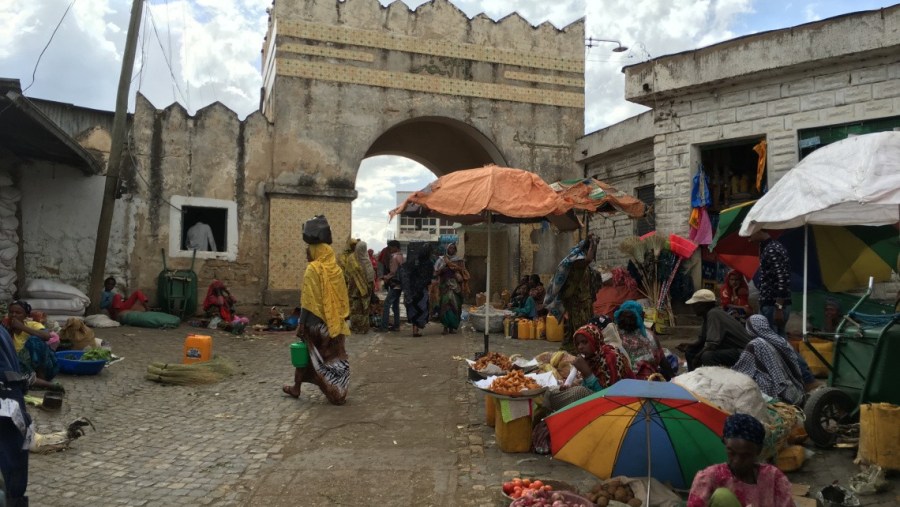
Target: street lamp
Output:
[(591, 42)]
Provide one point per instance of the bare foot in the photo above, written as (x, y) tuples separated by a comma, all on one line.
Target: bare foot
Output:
[(291, 391)]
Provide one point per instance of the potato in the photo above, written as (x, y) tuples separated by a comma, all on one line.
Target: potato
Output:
[(620, 495), (634, 502), (602, 501)]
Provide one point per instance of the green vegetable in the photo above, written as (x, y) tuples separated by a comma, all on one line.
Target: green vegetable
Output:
[(96, 354)]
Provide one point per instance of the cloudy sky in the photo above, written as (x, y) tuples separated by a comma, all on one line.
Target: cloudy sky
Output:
[(199, 51)]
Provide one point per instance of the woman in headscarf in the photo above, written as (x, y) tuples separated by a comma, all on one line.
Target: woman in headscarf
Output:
[(360, 276), (618, 287), (537, 291), (647, 356), (600, 365), (322, 325), (453, 279), (734, 296), (741, 481), (570, 290), (30, 340), (16, 429), (416, 276), (219, 302), (771, 362)]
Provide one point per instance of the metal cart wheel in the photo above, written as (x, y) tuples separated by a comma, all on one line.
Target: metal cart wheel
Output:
[(826, 410)]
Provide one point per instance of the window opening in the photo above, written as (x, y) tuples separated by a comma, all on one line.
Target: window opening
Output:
[(809, 140), (647, 195), (199, 223)]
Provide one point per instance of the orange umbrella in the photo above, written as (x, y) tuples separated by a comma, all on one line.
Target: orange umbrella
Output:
[(591, 194), (508, 195), (491, 194)]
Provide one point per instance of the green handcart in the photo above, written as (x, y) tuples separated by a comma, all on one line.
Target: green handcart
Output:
[(176, 289), (866, 349)]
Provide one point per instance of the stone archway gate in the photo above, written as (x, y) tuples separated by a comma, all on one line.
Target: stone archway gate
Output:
[(344, 80), (339, 76)]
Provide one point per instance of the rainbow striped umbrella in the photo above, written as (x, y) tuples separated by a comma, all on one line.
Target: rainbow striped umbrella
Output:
[(638, 428)]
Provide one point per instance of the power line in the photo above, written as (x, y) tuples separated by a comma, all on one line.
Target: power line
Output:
[(34, 72), (167, 59)]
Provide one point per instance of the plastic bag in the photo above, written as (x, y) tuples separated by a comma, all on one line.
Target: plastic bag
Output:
[(869, 481), (836, 496), (316, 230)]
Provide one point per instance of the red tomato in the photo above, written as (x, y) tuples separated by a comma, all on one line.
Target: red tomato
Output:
[(526, 482), (507, 487), (537, 484), (517, 482)]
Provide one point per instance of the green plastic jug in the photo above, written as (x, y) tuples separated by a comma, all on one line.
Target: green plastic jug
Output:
[(299, 355)]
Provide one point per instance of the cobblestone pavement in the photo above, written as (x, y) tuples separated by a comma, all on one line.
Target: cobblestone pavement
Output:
[(412, 432)]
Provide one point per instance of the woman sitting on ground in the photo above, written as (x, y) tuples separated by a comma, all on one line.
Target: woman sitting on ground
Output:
[(219, 302), (528, 308), (112, 302), (770, 361), (520, 293), (30, 340), (741, 481), (537, 291), (647, 356), (734, 296), (600, 365)]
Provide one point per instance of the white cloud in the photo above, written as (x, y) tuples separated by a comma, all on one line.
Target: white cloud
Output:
[(810, 13)]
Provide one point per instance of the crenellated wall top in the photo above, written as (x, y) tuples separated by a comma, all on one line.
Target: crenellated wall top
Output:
[(437, 20)]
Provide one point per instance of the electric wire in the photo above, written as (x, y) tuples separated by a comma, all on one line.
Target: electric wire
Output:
[(167, 59), (137, 167), (34, 71), (53, 34)]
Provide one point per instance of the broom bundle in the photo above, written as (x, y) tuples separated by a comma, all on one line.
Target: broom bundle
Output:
[(207, 372)]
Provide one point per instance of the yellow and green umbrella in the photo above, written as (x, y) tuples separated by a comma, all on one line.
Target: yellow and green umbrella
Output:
[(842, 258), (638, 428)]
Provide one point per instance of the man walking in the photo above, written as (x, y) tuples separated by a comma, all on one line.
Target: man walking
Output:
[(392, 285)]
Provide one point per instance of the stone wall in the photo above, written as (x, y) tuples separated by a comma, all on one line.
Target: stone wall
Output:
[(626, 170), (60, 211), (212, 155)]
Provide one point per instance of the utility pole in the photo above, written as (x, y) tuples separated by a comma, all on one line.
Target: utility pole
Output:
[(98, 272)]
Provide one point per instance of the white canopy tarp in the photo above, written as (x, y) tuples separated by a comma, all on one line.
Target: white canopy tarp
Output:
[(855, 181)]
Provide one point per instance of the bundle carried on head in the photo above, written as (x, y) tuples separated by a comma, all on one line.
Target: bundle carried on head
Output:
[(207, 372), (316, 230)]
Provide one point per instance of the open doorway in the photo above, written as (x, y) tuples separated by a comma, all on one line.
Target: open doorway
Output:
[(734, 173), (735, 176)]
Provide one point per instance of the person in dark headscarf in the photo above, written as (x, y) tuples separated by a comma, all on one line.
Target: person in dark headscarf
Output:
[(647, 356), (15, 424), (569, 291), (415, 278), (770, 361), (741, 481)]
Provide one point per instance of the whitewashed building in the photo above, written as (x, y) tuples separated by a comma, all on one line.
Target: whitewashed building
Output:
[(797, 89)]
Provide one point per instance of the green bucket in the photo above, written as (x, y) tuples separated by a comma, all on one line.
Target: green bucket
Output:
[(299, 355)]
